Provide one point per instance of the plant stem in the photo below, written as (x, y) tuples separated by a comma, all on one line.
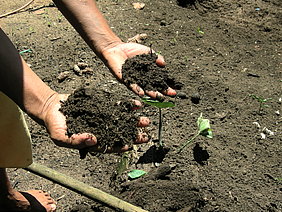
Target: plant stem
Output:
[(188, 142), (160, 127)]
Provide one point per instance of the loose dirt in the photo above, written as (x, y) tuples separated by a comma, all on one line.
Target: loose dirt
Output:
[(222, 52)]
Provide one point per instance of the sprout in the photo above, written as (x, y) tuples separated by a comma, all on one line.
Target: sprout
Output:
[(204, 129), (159, 105)]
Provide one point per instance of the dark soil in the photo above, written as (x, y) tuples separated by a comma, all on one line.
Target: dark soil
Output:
[(143, 71), (222, 51), (101, 113)]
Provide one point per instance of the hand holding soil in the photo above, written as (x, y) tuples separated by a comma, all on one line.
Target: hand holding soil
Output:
[(113, 122), (117, 56), (55, 123)]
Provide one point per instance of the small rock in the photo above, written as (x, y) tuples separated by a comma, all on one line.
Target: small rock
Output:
[(182, 95), (195, 98), (87, 70), (163, 23), (160, 173), (63, 75), (267, 131), (138, 6), (76, 70), (82, 65), (137, 38), (257, 124)]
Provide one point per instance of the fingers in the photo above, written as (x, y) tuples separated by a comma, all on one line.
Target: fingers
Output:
[(137, 90), (169, 92), (160, 61), (141, 138), (76, 141), (143, 122)]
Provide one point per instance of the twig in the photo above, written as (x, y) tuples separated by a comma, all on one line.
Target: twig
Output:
[(82, 188), (17, 10), (160, 127)]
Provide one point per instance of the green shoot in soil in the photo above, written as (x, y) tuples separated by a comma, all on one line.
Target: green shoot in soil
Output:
[(200, 31), (159, 105), (203, 129), (123, 163), (262, 101)]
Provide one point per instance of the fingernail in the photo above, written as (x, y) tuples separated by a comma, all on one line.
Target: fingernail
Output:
[(139, 91), (145, 120), (145, 138), (90, 142)]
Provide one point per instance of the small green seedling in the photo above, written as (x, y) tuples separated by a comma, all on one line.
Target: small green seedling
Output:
[(204, 129), (159, 105), (123, 163), (200, 31), (262, 101)]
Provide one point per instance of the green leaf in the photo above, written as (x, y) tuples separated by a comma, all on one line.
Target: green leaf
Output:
[(157, 103), (204, 127), (136, 173)]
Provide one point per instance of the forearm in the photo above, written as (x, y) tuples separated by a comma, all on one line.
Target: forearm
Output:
[(20, 83), (88, 21)]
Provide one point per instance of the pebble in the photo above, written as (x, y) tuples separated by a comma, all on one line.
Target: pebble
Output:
[(195, 98)]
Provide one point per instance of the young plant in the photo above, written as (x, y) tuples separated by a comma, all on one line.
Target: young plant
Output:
[(204, 129), (123, 163), (200, 31), (262, 101), (159, 105)]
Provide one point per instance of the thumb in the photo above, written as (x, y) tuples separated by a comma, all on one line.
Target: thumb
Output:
[(76, 141)]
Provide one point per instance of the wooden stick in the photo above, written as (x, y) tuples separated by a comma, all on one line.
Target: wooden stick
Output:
[(17, 10), (82, 188)]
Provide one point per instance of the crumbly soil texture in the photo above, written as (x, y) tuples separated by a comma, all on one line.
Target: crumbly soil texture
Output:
[(96, 111), (144, 71), (227, 55)]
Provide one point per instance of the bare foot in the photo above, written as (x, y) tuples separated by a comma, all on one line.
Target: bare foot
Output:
[(32, 200)]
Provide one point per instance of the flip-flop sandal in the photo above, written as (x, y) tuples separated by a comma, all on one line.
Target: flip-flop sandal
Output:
[(35, 205)]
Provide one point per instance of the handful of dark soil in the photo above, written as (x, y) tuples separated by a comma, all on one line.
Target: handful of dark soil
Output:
[(143, 70), (99, 112)]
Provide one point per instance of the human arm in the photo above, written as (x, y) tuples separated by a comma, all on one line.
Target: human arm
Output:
[(89, 22), (34, 97), (38, 100)]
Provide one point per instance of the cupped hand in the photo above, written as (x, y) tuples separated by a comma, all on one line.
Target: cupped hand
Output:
[(55, 122), (115, 56)]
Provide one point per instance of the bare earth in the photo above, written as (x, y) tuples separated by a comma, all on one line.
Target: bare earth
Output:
[(222, 51)]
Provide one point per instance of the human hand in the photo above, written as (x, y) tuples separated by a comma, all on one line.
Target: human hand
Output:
[(115, 56), (55, 123)]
